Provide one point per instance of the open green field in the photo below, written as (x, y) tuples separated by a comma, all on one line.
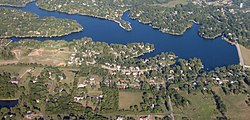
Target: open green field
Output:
[(69, 76), (173, 3), (202, 107), (237, 108), (126, 99), (14, 69)]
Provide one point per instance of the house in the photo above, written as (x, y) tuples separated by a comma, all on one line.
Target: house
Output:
[(145, 117), (61, 78), (122, 86), (81, 85), (120, 118), (14, 82), (78, 98), (91, 79)]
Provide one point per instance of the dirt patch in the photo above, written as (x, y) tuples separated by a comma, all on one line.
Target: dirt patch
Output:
[(245, 54), (36, 52), (61, 64), (17, 54), (45, 56)]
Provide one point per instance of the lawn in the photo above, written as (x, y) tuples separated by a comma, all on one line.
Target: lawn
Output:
[(126, 99), (202, 107), (14, 69)]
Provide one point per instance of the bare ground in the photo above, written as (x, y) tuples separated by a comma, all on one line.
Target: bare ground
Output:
[(246, 55)]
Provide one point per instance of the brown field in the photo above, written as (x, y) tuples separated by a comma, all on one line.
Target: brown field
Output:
[(94, 92), (173, 3), (246, 55), (45, 56), (237, 109), (126, 99)]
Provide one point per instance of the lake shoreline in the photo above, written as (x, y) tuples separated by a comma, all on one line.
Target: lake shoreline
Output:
[(13, 5), (30, 36), (91, 15), (187, 45), (9, 99)]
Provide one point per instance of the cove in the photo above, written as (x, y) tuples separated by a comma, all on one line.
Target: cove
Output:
[(213, 53)]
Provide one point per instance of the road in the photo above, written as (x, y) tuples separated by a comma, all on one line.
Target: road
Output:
[(240, 54), (125, 70), (246, 66), (8, 43), (171, 108), (29, 70)]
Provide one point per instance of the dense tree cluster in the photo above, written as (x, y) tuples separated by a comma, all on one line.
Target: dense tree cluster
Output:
[(150, 104), (219, 103), (5, 53), (110, 101), (7, 89), (63, 103)]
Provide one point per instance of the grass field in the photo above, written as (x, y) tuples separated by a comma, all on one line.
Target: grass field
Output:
[(126, 99), (246, 55), (69, 76), (237, 109), (203, 107), (173, 3), (14, 69)]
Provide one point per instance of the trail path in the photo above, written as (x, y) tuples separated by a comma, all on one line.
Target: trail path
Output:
[(171, 108)]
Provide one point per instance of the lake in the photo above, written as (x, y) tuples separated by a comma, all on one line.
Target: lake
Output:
[(213, 53)]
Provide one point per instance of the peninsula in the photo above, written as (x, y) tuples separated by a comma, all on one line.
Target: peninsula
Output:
[(100, 9), (16, 23), (17, 3), (95, 80)]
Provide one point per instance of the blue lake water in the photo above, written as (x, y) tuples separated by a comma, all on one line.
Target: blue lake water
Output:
[(213, 53), (8, 103)]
